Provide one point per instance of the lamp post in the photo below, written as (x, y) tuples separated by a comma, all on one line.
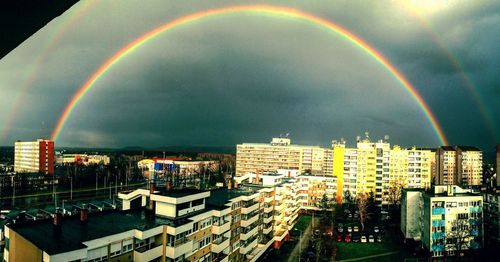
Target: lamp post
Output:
[(300, 242)]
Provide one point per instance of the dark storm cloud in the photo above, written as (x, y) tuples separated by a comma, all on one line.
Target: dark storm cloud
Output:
[(247, 78)]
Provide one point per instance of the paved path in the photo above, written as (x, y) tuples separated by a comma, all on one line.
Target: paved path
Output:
[(305, 241), (367, 257)]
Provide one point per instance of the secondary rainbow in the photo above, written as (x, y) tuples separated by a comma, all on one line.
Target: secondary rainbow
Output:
[(252, 9)]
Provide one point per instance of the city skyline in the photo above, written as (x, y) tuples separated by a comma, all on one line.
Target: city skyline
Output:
[(246, 76)]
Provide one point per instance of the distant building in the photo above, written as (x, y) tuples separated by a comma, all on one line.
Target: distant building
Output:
[(34, 157), (279, 154), (82, 159), (459, 165), (448, 220), (370, 167)]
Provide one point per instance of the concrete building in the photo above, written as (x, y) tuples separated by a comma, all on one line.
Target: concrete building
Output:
[(279, 154), (34, 157), (82, 159), (238, 223), (370, 167), (491, 200), (449, 219), (459, 165)]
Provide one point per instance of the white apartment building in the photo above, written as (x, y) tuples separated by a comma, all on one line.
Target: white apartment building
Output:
[(279, 154), (448, 220), (34, 156)]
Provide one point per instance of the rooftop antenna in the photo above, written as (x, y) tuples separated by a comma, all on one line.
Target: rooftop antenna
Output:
[(386, 138), (367, 135), (287, 135), (358, 138)]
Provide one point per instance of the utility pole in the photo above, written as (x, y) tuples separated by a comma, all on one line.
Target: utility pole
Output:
[(96, 183), (71, 187)]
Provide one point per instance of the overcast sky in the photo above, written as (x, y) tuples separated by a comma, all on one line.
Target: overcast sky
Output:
[(247, 78)]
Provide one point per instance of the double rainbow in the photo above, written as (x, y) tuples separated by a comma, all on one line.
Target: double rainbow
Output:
[(253, 9)]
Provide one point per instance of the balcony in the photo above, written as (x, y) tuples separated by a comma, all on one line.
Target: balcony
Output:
[(267, 230), (246, 249), (246, 210), (268, 199), (267, 219), (144, 254), (245, 236), (268, 209), (245, 223), (173, 252), (220, 244), (221, 228)]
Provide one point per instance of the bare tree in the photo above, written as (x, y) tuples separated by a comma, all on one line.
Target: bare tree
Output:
[(362, 204), (458, 238), (394, 192)]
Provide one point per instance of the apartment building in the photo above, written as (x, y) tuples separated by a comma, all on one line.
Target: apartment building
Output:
[(237, 223), (449, 219), (34, 156), (460, 165), (491, 200), (279, 154)]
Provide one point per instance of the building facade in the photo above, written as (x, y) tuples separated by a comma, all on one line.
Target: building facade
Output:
[(34, 157), (459, 165), (238, 223), (449, 219)]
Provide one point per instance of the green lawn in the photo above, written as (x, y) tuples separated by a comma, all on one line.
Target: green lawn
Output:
[(303, 222), (355, 250)]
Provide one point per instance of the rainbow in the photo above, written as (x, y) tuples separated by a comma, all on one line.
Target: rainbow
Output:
[(33, 71), (471, 88), (252, 9)]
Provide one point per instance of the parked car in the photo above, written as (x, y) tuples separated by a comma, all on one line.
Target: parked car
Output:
[(356, 238), (347, 238), (349, 216), (356, 215), (371, 239), (349, 229), (356, 229), (340, 229), (376, 230), (363, 239), (316, 232), (379, 238), (339, 238)]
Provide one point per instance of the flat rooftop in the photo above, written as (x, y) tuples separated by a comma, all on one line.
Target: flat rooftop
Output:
[(220, 197), (42, 234), (179, 192)]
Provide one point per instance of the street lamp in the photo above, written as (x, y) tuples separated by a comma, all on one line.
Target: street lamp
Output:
[(300, 242)]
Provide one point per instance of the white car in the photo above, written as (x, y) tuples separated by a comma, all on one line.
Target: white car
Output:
[(371, 239), (356, 229), (376, 230), (363, 239), (349, 229)]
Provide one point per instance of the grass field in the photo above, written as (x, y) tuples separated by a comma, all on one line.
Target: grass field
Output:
[(356, 250)]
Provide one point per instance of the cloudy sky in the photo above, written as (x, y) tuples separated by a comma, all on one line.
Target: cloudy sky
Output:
[(246, 78)]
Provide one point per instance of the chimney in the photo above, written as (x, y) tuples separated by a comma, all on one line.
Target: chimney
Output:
[(235, 184), (229, 184), (256, 177), (151, 192), (168, 185), (84, 213), (57, 222)]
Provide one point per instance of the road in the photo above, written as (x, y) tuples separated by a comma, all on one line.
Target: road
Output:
[(45, 198), (298, 249)]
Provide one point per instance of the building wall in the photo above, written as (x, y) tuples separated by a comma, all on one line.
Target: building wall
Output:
[(34, 156), (21, 249)]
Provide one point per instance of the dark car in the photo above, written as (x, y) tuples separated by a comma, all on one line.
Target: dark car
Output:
[(379, 238), (356, 238)]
